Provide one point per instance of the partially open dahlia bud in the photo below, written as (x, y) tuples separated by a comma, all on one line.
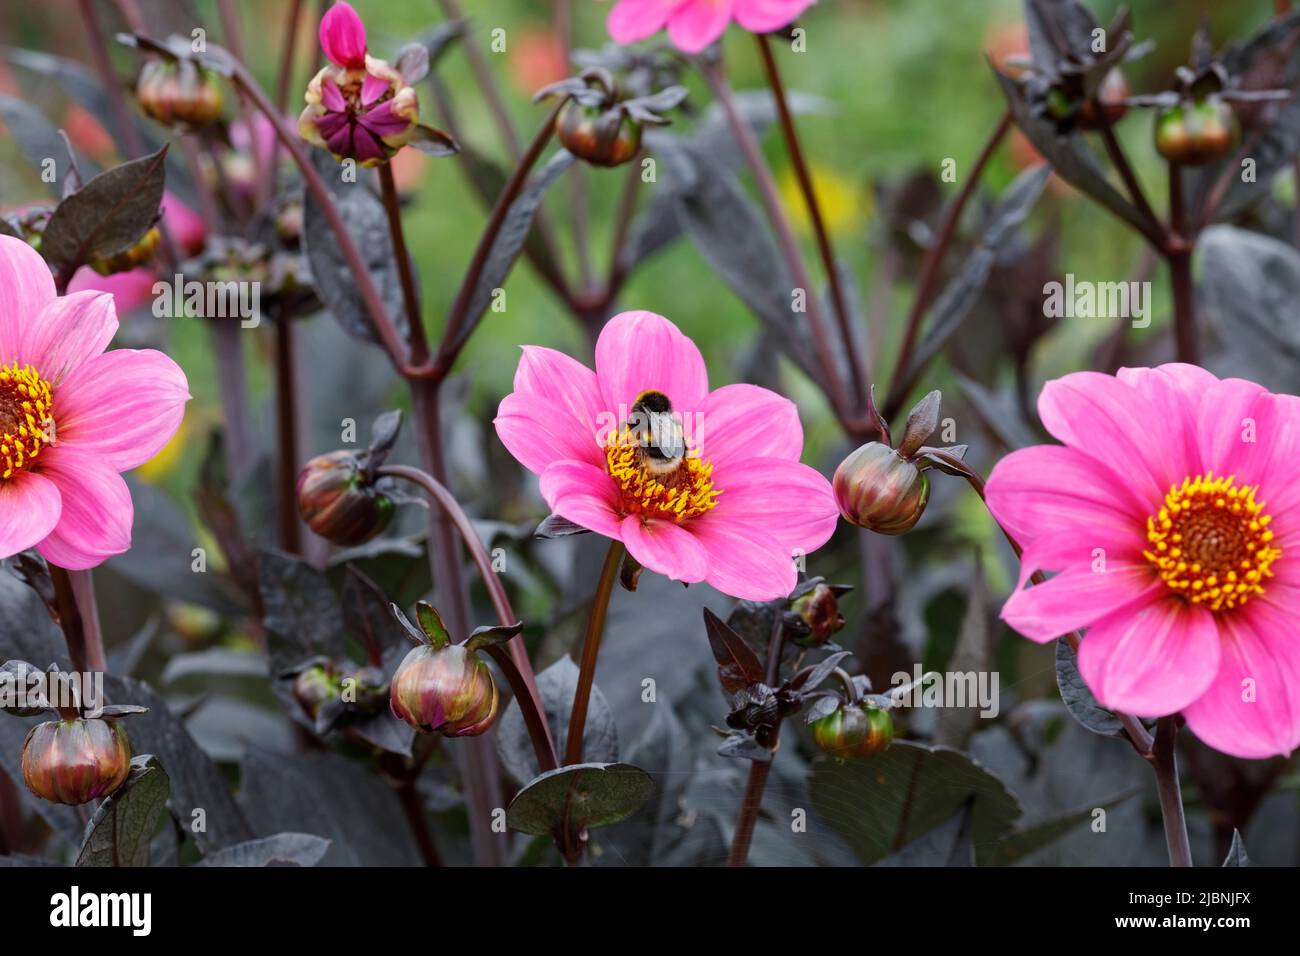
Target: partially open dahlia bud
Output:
[(358, 107), (854, 730), (75, 761), (339, 502), (444, 690), (880, 490), (179, 93)]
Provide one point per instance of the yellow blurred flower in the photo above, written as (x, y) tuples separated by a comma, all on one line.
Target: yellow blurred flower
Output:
[(157, 468), (844, 204)]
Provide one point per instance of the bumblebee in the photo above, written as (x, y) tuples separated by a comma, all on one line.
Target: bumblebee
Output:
[(658, 433)]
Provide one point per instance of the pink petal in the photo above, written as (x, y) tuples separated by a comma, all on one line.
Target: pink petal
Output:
[(25, 287), (186, 225), (331, 96), (343, 36), (29, 509), (1253, 435), (1061, 505), (697, 23), (785, 499), (744, 421), (122, 406), (70, 330), (633, 20), (1151, 660), (95, 522), (559, 382), (373, 87), (1077, 597), (665, 547), (382, 121), (1114, 423), (584, 494), (1175, 392), (366, 146), (642, 351), (764, 16), (745, 561), (130, 290), (538, 436), (1258, 645)]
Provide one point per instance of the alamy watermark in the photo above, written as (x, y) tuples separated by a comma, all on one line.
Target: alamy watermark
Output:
[(1081, 299), (209, 300)]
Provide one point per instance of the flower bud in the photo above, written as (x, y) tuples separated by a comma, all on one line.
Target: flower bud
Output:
[(179, 92), (128, 259), (315, 686), (1196, 132), (854, 730), (818, 612), (877, 489), (602, 137), (75, 761), (444, 690), (1111, 95), (339, 503)]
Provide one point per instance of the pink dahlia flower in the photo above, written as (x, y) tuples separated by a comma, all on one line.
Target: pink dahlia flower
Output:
[(72, 416), (358, 107), (699, 485), (694, 24), (1172, 513)]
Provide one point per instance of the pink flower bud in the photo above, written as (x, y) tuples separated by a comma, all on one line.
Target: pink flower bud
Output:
[(75, 761), (444, 690), (878, 489)]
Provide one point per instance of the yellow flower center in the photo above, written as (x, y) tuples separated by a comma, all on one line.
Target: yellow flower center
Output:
[(26, 417), (653, 490), (1211, 543)]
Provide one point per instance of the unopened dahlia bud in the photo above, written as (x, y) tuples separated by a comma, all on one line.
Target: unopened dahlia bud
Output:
[(179, 93), (1197, 131), (128, 259), (339, 502), (316, 686), (598, 123), (603, 137), (75, 761), (818, 613), (877, 489), (358, 107), (854, 730), (444, 690)]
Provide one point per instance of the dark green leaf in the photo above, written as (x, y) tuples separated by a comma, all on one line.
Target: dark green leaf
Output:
[(120, 832), (556, 526), (556, 686), (581, 796), (108, 215), (367, 223), (1083, 706), (738, 665), (37, 138), (908, 790), (1237, 852), (283, 849), (1023, 841), (301, 612), (482, 637), (367, 616), (948, 844), (510, 240)]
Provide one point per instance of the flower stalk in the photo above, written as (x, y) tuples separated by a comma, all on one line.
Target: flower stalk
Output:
[(590, 650), (1165, 762), (744, 136), (858, 377), (756, 782)]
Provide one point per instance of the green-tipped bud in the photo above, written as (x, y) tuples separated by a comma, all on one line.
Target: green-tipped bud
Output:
[(854, 730), (877, 489), (76, 761), (444, 690), (603, 137)]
